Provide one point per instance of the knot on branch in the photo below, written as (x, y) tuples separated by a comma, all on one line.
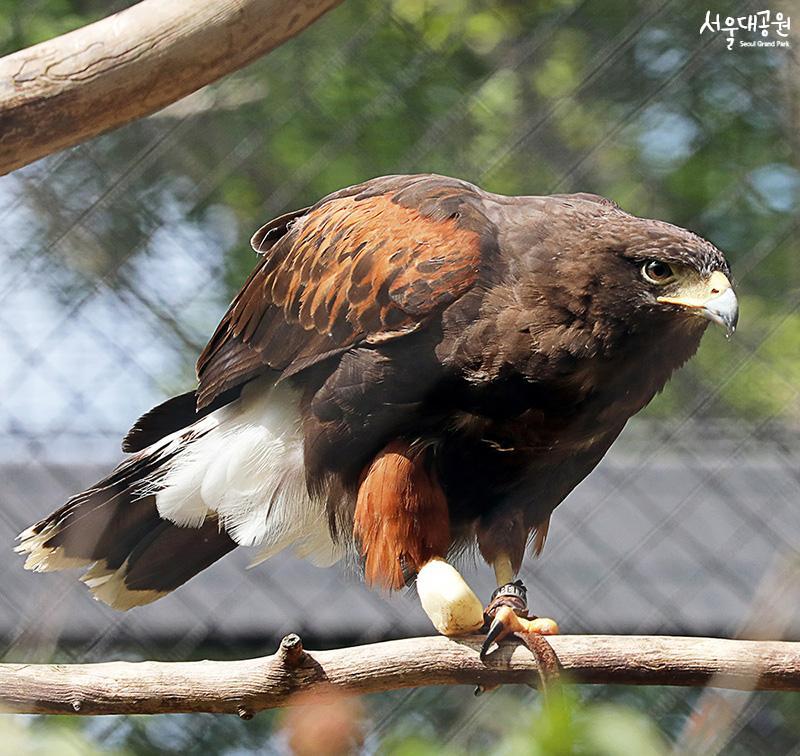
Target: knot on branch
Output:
[(290, 652)]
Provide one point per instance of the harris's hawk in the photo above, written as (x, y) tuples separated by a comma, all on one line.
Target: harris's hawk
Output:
[(415, 366)]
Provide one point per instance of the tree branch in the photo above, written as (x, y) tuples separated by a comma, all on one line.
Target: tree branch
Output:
[(248, 686), (63, 91)]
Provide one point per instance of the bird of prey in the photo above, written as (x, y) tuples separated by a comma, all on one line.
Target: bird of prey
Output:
[(415, 367)]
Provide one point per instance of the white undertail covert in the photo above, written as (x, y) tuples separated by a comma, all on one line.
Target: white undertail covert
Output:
[(247, 470)]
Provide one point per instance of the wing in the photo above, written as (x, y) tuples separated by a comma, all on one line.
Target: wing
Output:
[(365, 265)]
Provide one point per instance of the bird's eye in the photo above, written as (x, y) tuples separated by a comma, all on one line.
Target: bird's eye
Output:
[(657, 272)]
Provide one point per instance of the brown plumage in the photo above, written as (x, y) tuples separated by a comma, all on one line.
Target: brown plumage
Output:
[(461, 360), (401, 519), (333, 282)]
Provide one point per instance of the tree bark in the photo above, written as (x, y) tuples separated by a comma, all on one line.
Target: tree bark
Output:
[(66, 90), (248, 686)]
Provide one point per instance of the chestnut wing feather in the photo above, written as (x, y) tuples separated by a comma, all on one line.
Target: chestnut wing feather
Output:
[(362, 266)]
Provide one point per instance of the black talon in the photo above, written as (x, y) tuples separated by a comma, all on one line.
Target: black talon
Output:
[(511, 594), (494, 631)]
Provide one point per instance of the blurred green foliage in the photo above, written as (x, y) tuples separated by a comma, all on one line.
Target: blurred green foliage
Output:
[(621, 99), (567, 725), (585, 721), (36, 736)]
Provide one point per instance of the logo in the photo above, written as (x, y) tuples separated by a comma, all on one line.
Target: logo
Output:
[(762, 23)]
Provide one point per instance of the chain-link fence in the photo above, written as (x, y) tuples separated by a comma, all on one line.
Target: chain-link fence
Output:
[(120, 256)]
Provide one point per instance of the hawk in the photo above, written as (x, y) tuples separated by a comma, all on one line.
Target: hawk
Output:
[(414, 368)]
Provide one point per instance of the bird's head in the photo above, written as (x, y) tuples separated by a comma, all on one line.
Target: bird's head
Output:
[(675, 273), (645, 274), (639, 292)]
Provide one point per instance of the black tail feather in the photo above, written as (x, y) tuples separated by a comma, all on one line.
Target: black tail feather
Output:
[(171, 416), (114, 528), (170, 555)]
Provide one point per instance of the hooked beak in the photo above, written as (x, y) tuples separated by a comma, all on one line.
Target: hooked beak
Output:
[(713, 299)]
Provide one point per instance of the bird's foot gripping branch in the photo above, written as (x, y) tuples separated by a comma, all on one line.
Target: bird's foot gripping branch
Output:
[(507, 615), (455, 610)]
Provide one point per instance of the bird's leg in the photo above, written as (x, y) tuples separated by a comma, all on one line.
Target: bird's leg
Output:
[(507, 612), (448, 601)]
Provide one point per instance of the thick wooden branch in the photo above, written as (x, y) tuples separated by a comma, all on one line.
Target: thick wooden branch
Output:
[(63, 91), (245, 687)]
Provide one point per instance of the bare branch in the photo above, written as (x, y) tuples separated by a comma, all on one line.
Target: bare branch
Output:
[(245, 687), (63, 91)]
